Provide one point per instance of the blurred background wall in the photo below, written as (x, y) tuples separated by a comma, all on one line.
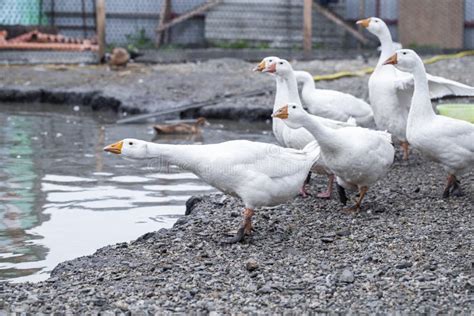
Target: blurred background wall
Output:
[(249, 24)]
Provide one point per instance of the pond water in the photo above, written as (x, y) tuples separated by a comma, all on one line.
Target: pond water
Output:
[(62, 197)]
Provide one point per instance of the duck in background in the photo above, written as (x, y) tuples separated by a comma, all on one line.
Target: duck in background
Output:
[(118, 59), (391, 90), (181, 128), (445, 140)]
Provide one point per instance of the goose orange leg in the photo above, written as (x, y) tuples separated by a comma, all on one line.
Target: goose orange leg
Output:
[(327, 194), (405, 147), (303, 191), (244, 229), (356, 207)]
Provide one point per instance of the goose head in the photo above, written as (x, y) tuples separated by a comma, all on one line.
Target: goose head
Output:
[(265, 63), (405, 60), (129, 147), (280, 67), (374, 25), (292, 114)]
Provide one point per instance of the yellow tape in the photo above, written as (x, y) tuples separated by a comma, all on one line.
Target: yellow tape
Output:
[(369, 70)]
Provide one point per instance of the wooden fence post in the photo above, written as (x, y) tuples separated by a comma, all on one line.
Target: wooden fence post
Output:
[(307, 26), (100, 18)]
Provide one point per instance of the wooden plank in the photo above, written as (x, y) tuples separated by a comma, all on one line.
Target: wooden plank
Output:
[(333, 17), (100, 18), (308, 26), (183, 17)]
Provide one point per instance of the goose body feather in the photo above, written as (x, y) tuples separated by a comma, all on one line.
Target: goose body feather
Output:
[(333, 104), (260, 174)]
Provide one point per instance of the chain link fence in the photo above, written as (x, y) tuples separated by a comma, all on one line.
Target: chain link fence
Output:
[(230, 24)]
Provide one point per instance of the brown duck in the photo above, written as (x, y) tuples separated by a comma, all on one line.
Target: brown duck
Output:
[(180, 128), (119, 58)]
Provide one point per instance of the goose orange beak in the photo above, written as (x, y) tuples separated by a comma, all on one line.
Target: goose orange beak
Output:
[(364, 22), (271, 69), (392, 60), (260, 67), (281, 113), (115, 148)]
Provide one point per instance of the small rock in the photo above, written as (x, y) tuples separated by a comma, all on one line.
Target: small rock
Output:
[(403, 265), (251, 265), (347, 276), (327, 239), (122, 305), (343, 232), (265, 289)]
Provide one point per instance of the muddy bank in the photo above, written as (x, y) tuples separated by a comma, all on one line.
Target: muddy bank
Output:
[(408, 250), (148, 88)]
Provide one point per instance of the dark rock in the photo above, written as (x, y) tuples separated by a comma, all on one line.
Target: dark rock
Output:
[(403, 265), (343, 232), (251, 265), (191, 204)]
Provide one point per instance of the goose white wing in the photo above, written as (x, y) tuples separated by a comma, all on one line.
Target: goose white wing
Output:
[(336, 124), (272, 160), (439, 86), (456, 131)]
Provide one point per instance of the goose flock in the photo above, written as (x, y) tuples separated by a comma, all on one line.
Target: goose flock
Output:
[(331, 133)]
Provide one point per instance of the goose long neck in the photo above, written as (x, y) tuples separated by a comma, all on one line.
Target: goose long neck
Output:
[(308, 84), (292, 87), (281, 93), (421, 107), (179, 155), (386, 45), (323, 134)]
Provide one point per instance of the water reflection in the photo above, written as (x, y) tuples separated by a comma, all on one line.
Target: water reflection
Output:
[(61, 197)]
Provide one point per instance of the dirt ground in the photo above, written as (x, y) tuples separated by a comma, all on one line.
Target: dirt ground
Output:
[(148, 88)]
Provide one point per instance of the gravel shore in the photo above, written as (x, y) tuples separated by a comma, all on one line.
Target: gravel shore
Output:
[(408, 250)]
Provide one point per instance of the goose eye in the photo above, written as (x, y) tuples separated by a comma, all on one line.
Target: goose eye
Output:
[(281, 63), (404, 53), (376, 21), (270, 60), (294, 106), (130, 143)]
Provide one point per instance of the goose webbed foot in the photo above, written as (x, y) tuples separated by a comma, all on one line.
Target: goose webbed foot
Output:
[(356, 208), (244, 229), (239, 237), (303, 192), (453, 187), (327, 194), (353, 209)]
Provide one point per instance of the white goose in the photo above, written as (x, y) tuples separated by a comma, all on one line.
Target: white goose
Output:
[(443, 139), (390, 90), (333, 104), (260, 174), (287, 91), (358, 156)]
